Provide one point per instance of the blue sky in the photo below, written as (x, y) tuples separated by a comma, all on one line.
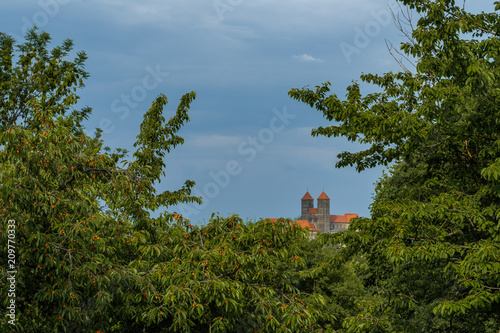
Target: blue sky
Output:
[(248, 145)]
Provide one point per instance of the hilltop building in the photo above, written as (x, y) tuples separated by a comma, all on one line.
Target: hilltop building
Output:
[(320, 216), (319, 219)]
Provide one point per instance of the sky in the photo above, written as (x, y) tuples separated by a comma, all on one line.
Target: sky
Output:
[(248, 145)]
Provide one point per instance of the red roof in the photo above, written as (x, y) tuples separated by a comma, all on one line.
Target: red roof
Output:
[(302, 223), (313, 211), (342, 218), (323, 196), (351, 216), (307, 196), (305, 224)]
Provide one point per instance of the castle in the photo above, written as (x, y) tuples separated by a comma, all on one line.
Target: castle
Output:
[(321, 217)]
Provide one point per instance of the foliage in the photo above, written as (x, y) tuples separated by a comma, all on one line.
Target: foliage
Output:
[(338, 284), (227, 276), (89, 255), (435, 218)]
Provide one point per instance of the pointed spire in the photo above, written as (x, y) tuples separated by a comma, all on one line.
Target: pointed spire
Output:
[(307, 196), (323, 196)]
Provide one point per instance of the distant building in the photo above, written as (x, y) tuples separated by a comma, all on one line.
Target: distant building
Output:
[(321, 217)]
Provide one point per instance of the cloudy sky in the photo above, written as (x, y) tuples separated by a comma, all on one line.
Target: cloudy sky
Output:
[(248, 145)]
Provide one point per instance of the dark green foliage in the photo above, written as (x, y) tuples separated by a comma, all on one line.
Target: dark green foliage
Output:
[(434, 231), (338, 284), (89, 256)]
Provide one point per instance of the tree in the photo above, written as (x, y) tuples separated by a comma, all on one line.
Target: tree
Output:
[(438, 210), (339, 285), (87, 254)]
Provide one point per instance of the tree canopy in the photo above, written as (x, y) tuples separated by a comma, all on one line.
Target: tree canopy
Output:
[(433, 238), (88, 252), (89, 245)]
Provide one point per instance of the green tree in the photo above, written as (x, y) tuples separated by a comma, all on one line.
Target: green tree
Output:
[(433, 236), (339, 285), (89, 255)]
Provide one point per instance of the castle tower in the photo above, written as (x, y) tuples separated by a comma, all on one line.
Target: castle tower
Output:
[(307, 204), (323, 213)]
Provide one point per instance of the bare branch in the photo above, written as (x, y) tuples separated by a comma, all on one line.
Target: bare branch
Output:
[(405, 25)]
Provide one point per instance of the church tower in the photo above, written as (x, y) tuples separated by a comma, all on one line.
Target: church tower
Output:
[(323, 213), (307, 205)]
